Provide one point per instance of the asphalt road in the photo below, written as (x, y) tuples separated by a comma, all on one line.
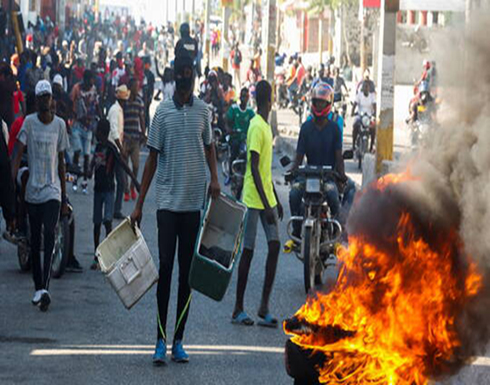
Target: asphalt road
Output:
[(88, 337)]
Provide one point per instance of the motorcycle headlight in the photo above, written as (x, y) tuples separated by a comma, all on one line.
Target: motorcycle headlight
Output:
[(313, 185), (366, 121)]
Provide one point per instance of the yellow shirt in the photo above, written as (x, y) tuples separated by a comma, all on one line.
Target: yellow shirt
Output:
[(259, 140)]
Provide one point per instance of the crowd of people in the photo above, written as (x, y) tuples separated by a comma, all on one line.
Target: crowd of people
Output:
[(78, 100)]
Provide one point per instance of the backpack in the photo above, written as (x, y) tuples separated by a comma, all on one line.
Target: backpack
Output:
[(237, 57)]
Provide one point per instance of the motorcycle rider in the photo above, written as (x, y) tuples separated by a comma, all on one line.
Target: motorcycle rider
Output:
[(238, 119), (366, 104), (423, 105), (292, 80), (338, 85), (324, 76), (320, 140)]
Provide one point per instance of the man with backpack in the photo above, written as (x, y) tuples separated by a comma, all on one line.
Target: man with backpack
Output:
[(236, 61)]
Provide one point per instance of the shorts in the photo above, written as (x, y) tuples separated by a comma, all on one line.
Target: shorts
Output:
[(103, 203), (271, 231), (81, 139)]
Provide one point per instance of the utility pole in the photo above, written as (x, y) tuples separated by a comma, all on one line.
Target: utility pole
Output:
[(269, 20), (225, 44), (321, 17), (386, 82), (207, 32)]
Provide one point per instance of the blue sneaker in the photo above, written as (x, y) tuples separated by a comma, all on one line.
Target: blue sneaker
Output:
[(178, 353), (160, 356)]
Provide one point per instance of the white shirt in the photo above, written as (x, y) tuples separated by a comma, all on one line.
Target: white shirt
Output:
[(366, 103), (116, 119), (168, 90)]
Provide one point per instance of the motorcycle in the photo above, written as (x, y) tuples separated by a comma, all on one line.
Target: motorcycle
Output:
[(319, 231), (362, 142), (237, 167), (420, 127), (340, 107), (218, 136), (63, 246)]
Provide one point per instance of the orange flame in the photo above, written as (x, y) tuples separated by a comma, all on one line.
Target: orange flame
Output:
[(398, 307)]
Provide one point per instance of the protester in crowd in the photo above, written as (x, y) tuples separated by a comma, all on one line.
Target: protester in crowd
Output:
[(186, 42), (7, 89), (116, 137), (64, 105), (134, 132), (148, 89), (86, 109), (106, 159), (46, 139), (17, 125), (238, 119), (260, 197), (236, 61), (168, 84), (7, 191), (180, 142)]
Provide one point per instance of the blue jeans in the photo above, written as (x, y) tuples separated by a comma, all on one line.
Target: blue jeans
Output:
[(340, 210)]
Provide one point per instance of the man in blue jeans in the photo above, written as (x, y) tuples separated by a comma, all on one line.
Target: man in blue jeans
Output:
[(320, 140)]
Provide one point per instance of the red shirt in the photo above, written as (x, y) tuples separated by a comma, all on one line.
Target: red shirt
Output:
[(18, 98), (14, 131)]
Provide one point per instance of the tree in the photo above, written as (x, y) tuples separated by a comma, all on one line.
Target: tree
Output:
[(318, 7)]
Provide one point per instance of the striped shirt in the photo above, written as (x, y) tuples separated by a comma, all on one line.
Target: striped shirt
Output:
[(179, 134), (133, 109)]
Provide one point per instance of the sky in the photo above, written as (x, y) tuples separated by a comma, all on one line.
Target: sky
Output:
[(155, 10)]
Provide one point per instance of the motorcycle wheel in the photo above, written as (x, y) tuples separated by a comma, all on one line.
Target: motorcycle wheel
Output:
[(312, 277), (23, 255), (61, 248)]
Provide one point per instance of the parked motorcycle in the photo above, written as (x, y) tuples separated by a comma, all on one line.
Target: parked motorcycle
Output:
[(64, 239), (63, 246), (362, 141), (319, 231)]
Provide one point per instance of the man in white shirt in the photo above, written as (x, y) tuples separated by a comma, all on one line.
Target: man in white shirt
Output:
[(116, 119), (366, 104)]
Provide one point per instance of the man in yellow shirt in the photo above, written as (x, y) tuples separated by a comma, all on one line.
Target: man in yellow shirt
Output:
[(261, 199)]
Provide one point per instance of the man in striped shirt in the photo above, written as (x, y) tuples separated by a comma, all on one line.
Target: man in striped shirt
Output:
[(180, 143), (134, 131)]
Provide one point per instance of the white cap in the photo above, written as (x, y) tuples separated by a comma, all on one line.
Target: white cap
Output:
[(58, 80), (43, 87)]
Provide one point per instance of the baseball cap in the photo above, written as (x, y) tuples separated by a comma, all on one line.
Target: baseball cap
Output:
[(58, 80), (43, 87)]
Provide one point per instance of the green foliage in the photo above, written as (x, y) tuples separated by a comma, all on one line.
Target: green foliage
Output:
[(316, 6)]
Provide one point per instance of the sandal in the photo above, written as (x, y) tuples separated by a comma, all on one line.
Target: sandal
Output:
[(268, 321), (242, 318)]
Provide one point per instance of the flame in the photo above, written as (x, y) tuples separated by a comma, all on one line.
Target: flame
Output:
[(393, 312)]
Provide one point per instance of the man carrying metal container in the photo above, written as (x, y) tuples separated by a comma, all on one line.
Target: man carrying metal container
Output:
[(180, 143)]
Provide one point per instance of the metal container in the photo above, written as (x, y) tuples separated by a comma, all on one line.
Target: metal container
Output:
[(126, 261)]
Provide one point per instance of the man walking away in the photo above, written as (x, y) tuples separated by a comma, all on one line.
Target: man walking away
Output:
[(106, 159), (236, 61), (116, 137), (261, 199), (134, 131), (186, 43), (46, 139), (180, 143)]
